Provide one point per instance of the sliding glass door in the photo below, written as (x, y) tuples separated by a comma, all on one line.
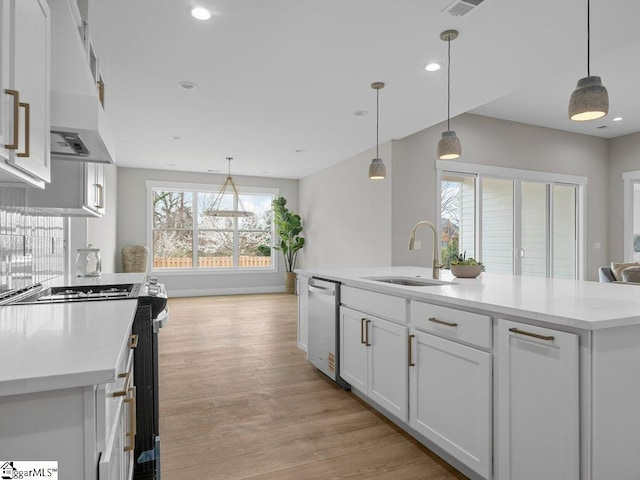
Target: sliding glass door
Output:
[(513, 226)]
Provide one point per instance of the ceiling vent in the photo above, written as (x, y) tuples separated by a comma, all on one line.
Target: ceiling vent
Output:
[(458, 8)]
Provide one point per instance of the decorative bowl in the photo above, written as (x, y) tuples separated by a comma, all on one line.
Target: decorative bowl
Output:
[(466, 271)]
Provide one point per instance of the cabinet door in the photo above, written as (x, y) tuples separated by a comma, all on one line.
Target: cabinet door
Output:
[(353, 349), (111, 465), (538, 403), (5, 100), (30, 77), (387, 377), (94, 187), (450, 400), (303, 317)]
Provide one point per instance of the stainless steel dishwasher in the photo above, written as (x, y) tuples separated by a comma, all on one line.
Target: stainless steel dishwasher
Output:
[(324, 332)]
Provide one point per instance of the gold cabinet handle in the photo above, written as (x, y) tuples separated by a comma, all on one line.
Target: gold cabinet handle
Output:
[(99, 195), (442, 322), (16, 118), (411, 363), (131, 434), (366, 331), (100, 85), (126, 386), (133, 340), (362, 326), (548, 338), (27, 128)]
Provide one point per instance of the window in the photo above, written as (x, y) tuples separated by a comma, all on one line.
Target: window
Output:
[(184, 236), (514, 221), (631, 227)]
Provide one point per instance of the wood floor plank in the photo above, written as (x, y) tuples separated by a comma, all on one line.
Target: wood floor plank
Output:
[(239, 401)]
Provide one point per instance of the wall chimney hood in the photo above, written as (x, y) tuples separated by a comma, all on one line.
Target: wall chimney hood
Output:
[(80, 129)]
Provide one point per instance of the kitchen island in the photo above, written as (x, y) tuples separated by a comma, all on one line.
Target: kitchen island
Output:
[(505, 377), (66, 382)]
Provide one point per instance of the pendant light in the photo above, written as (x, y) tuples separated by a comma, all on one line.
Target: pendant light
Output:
[(377, 170), (449, 145), (590, 99), (216, 211)]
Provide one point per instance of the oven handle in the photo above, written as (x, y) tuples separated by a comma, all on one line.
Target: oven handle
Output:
[(161, 320)]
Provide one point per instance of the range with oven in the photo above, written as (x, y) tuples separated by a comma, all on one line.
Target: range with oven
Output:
[(151, 315)]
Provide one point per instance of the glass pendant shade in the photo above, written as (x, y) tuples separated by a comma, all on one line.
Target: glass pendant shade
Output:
[(377, 170), (449, 146), (589, 100)]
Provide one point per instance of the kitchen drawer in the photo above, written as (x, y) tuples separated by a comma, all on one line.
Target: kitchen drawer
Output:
[(451, 323), (379, 304)]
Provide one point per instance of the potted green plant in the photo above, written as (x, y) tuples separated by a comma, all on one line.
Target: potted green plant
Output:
[(288, 227), (463, 267)]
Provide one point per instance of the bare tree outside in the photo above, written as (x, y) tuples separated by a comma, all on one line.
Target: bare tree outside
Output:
[(173, 223)]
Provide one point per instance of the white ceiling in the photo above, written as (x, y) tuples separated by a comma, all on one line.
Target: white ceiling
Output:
[(278, 76)]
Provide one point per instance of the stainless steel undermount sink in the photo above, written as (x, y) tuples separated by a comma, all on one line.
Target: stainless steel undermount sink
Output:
[(410, 281)]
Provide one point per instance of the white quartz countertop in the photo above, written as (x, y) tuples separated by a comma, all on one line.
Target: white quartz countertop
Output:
[(56, 346), (579, 304)]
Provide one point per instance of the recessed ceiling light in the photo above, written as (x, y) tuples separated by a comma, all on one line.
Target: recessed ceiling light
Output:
[(300, 150), (361, 113), (213, 171), (176, 137), (200, 13), (171, 164), (617, 119), (433, 67), (187, 85)]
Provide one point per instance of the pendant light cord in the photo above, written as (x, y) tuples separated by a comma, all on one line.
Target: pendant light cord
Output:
[(377, 121), (449, 84), (588, 38)]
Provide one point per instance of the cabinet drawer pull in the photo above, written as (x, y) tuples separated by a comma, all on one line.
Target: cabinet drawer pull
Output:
[(442, 322), (362, 327), (16, 118), (133, 340), (27, 128), (99, 196), (125, 387), (548, 338), (366, 331), (100, 86), (131, 434), (411, 363)]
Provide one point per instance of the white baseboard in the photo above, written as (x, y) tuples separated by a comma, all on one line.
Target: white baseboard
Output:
[(205, 292)]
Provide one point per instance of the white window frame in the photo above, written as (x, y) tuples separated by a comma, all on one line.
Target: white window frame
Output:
[(629, 179), (205, 188), (519, 175)]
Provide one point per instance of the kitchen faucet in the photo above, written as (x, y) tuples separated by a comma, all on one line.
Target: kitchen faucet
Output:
[(412, 240)]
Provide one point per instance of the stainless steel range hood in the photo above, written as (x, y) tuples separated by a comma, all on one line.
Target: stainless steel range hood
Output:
[(79, 129)]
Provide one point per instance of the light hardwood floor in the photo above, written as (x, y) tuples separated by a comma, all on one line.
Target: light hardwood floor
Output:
[(238, 400)]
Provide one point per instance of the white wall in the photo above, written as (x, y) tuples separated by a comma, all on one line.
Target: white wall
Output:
[(132, 230), (500, 143), (624, 156), (347, 217)]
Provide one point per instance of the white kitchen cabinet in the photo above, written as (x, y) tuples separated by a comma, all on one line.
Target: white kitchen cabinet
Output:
[(77, 190), (538, 403), (303, 313), (450, 388), (373, 356), (25, 67), (87, 429)]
